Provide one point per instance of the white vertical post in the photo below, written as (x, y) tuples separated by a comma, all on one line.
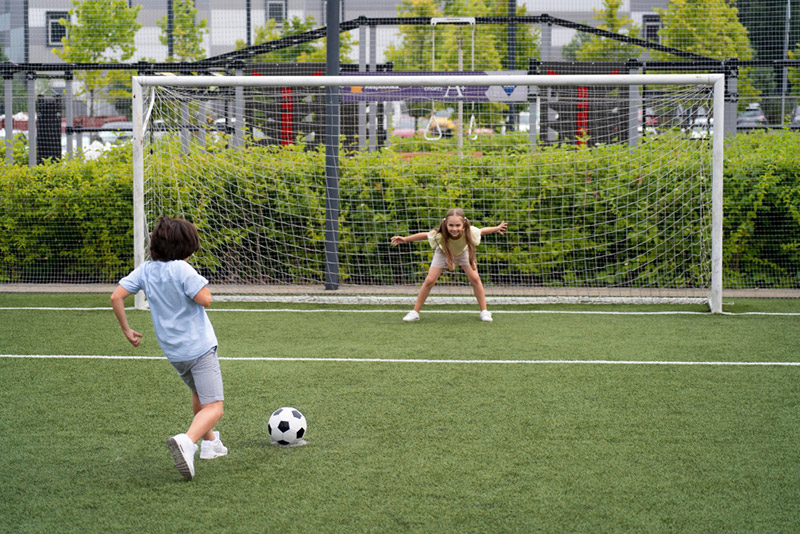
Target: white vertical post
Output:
[(718, 140), (138, 185)]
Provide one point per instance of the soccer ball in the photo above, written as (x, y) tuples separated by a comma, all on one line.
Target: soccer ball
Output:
[(287, 426)]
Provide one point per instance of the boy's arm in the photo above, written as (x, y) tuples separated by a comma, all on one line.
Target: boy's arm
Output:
[(501, 228), (118, 305), (397, 240), (203, 297)]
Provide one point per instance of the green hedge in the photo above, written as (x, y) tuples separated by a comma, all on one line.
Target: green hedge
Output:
[(66, 222), (71, 221)]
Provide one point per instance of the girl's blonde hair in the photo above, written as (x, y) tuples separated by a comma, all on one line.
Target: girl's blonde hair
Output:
[(451, 261)]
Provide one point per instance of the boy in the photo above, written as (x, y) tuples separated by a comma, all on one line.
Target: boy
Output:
[(178, 296)]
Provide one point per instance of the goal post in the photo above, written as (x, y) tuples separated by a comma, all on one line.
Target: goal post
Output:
[(596, 206)]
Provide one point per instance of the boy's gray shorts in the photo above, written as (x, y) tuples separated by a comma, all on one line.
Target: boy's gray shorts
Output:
[(203, 376)]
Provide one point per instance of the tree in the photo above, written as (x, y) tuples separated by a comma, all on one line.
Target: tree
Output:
[(597, 48), (414, 52), (765, 22), (300, 53), (709, 28), (490, 47), (579, 40), (103, 32), (187, 33)]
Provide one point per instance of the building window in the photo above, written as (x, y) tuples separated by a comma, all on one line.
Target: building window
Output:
[(275, 11), (651, 24), (55, 31)]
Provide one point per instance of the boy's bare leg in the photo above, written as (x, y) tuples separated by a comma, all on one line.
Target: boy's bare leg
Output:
[(205, 417)]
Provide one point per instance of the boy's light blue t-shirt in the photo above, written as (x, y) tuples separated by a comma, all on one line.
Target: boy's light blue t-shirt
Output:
[(182, 326)]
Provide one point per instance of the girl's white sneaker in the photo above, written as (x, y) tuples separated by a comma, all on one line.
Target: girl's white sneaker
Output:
[(411, 316), (486, 316)]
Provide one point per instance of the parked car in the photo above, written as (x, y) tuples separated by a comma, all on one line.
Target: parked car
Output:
[(406, 127), (702, 127), (751, 118), (796, 117), (649, 117), (116, 132)]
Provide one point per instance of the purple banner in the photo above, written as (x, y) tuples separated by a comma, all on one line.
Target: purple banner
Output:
[(463, 93)]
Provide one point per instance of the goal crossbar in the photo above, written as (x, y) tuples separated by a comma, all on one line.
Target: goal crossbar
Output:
[(430, 80), (715, 81)]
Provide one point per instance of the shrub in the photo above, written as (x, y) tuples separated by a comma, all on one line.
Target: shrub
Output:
[(71, 221)]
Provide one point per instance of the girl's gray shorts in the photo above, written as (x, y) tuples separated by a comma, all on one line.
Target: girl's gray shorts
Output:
[(203, 376), (440, 258)]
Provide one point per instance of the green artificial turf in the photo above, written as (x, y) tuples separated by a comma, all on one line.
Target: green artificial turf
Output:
[(409, 446)]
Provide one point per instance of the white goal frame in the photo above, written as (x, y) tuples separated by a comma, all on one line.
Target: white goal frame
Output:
[(714, 81)]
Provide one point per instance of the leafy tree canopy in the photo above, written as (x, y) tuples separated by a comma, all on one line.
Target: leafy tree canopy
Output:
[(103, 32), (708, 28), (416, 47), (597, 48), (300, 53), (187, 33)]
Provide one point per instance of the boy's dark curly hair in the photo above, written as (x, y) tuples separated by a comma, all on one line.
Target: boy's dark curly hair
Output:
[(173, 239)]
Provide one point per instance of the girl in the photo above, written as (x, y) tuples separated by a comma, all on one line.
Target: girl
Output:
[(178, 296), (453, 242)]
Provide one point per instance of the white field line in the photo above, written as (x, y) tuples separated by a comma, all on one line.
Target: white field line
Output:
[(331, 310), (422, 361)]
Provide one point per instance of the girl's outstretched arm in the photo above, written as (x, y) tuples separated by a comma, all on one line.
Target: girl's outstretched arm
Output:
[(500, 228), (398, 239)]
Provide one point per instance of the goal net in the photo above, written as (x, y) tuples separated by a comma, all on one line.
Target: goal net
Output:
[(610, 185)]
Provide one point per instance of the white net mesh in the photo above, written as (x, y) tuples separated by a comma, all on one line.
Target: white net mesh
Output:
[(606, 190)]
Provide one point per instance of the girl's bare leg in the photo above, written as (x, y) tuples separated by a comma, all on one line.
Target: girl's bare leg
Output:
[(433, 275), (477, 285)]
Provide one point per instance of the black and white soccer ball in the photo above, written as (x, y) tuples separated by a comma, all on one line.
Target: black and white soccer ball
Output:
[(287, 426)]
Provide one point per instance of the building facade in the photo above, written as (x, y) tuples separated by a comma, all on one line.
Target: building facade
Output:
[(30, 29)]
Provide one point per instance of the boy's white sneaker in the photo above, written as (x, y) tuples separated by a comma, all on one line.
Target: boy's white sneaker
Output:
[(486, 316), (212, 449), (411, 316), (183, 450)]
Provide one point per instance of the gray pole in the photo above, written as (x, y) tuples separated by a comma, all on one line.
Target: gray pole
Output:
[(9, 123), (732, 79), (238, 112), (785, 56), (332, 151), (31, 78), (69, 93), (170, 28), (511, 58), (634, 104), (249, 22), (362, 106), (373, 67)]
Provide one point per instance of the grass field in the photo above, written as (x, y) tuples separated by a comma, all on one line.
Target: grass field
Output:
[(549, 419)]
